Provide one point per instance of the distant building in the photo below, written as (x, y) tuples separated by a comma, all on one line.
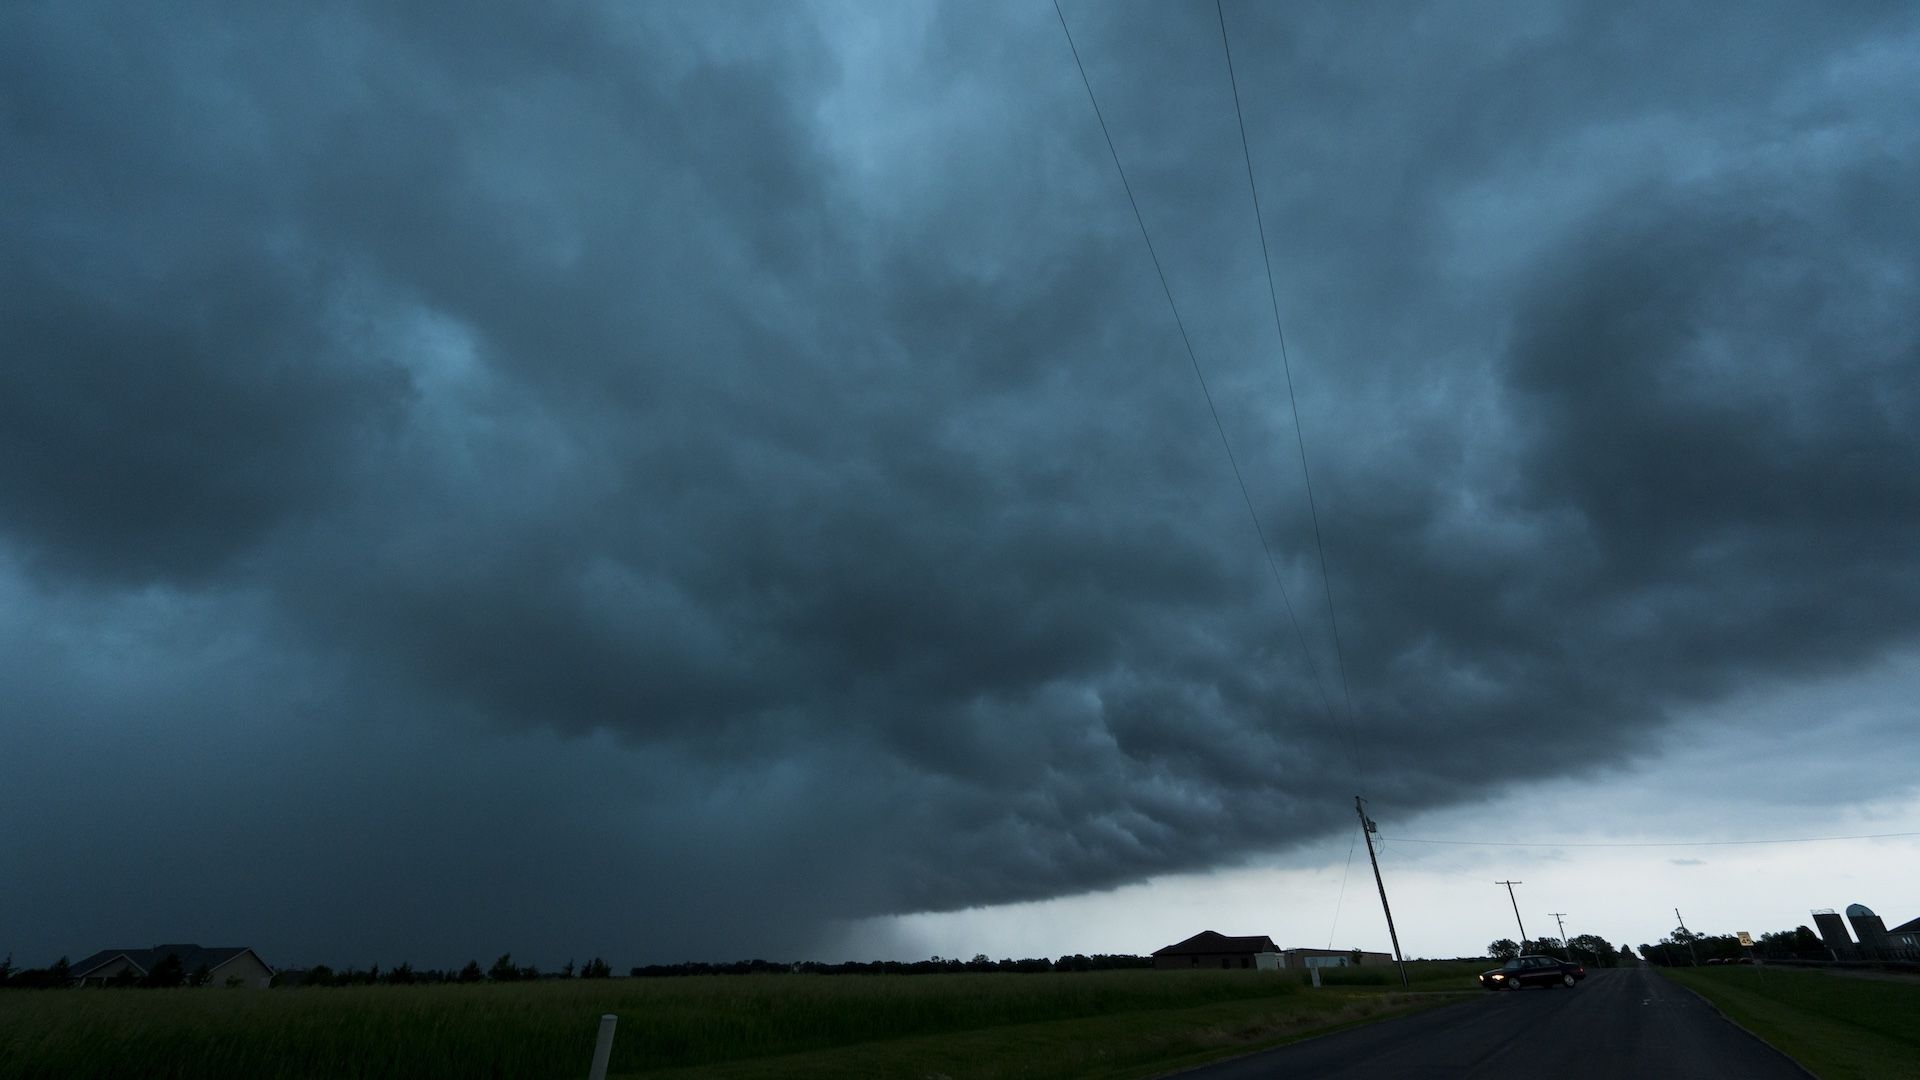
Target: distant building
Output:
[(229, 966), (1325, 958), (1905, 936), (1210, 949), (1876, 942)]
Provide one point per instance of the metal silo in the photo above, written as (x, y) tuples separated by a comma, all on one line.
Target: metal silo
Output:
[(1868, 927), (1833, 933)]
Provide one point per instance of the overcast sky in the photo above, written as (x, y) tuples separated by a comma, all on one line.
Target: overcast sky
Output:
[(704, 481)]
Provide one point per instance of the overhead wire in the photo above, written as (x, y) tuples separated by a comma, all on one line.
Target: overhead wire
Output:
[(1273, 565), (1306, 473), (1659, 843), (1286, 364), (1342, 896)]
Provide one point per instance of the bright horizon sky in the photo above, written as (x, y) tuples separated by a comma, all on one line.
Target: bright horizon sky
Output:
[(1444, 897)]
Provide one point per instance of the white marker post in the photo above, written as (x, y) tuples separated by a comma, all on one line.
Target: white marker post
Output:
[(603, 1049)]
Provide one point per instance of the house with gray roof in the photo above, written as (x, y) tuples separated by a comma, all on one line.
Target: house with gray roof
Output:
[(224, 966), (1212, 949)]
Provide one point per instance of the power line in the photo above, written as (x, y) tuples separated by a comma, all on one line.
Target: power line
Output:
[(1659, 844), (1273, 566), (1286, 364), (1367, 827), (1342, 896)]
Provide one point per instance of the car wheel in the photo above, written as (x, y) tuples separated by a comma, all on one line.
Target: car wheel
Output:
[(1566, 980), (1515, 983)]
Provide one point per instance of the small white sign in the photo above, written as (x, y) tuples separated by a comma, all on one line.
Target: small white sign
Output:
[(1746, 939)]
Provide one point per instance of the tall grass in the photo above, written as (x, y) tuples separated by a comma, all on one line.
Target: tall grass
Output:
[(547, 1028), (1836, 1026)]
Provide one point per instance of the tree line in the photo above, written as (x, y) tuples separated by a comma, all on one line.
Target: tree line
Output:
[(1589, 949), (169, 972), (932, 966), (1684, 947)]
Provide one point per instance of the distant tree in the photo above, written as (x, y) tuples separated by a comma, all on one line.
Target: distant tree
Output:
[(56, 977), (167, 973), (319, 975), (201, 976), (1789, 943), (401, 975), (1626, 952), (6, 969), (1503, 949), (471, 973), (596, 969), (503, 969), (1545, 946), (1594, 949), (1724, 947), (566, 970), (1354, 957)]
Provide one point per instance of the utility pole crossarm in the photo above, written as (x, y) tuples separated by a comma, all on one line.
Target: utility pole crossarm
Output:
[(1566, 946)]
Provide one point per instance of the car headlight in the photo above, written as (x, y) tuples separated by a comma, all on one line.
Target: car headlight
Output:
[(1497, 978)]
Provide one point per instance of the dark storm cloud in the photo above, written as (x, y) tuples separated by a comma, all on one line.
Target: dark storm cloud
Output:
[(752, 455)]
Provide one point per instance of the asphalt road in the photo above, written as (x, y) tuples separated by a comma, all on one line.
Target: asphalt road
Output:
[(1625, 1022)]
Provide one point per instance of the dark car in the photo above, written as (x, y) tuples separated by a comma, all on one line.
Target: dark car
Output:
[(1524, 971)]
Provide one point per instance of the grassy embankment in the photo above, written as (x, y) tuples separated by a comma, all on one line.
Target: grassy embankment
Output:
[(1127, 1023), (1839, 1028)]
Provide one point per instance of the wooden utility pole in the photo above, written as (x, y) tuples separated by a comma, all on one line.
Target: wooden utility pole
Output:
[(1559, 919), (1367, 829), (1691, 955), (1516, 911)]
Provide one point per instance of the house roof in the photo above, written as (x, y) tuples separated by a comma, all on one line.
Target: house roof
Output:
[(192, 958), (1911, 926), (1210, 941)]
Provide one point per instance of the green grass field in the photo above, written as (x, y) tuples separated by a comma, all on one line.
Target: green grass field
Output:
[(1122, 1023), (1839, 1028)]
